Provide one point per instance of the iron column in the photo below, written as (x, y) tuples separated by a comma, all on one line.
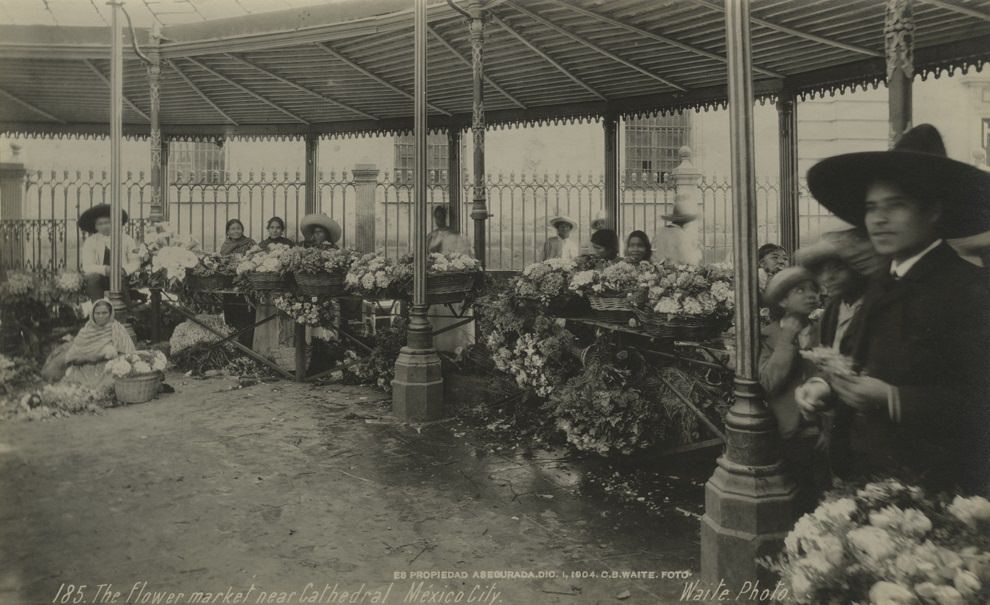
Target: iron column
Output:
[(417, 391), (116, 127), (748, 501), (789, 217), (479, 207), (612, 192), (898, 36)]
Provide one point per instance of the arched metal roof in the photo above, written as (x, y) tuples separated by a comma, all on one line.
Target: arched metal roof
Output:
[(346, 67)]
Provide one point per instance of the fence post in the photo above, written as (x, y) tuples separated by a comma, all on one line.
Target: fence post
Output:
[(365, 183), (12, 179), (687, 191)]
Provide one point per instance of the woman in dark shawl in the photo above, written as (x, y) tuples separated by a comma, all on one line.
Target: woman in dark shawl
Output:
[(236, 242)]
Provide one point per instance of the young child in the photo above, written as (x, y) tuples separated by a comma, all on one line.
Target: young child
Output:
[(793, 294)]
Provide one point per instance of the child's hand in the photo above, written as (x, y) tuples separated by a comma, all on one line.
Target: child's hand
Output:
[(791, 325)]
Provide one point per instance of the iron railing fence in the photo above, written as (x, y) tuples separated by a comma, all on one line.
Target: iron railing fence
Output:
[(47, 238)]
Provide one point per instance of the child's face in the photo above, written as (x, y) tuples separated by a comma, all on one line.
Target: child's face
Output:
[(636, 249), (836, 277), (802, 299), (563, 230), (775, 261)]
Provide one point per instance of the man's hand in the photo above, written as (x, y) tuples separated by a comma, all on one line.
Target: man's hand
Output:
[(811, 396), (863, 393)]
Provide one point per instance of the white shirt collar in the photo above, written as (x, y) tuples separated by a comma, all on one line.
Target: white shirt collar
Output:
[(900, 269)]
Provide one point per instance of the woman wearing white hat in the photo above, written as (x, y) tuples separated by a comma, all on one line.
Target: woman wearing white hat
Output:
[(562, 245)]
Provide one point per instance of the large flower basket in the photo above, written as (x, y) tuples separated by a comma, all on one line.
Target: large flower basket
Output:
[(700, 329), (199, 283), (612, 308), (139, 388), (449, 287), (266, 280), (681, 327), (320, 284), (657, 325)]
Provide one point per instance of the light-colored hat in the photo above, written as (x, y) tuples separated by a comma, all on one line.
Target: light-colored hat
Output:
[(563, 219), (320, 220), (842, 242), (782, 282), (679, 218)]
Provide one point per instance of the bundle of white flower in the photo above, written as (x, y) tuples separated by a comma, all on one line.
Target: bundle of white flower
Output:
[(189, 334), (375, 276), (164, 235), (451, 262), (137, 364), (69, 282), (17, 284), (830, 361), (691, 290), (617, 278), (60, 400), (257, 260), (174, 261), (887, 544), (544, 280)]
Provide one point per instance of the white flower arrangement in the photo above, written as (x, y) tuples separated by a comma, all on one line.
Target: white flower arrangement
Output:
[(174, 261), (375, 276), (617, 278), (687, 290), (69, 282), (888, 543), (258, 260), (137, 363), (450, 262), (544, 281)]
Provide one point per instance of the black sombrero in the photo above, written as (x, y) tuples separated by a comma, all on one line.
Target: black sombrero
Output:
[(87, 220), (920, 164)]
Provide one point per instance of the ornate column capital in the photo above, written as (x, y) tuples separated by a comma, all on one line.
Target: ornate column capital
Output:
[(898, 35)]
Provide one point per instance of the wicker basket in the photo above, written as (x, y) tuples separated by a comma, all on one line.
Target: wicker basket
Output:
[(266, 281), (138, 389), (679, 327), (450, 287), (210, 283), (613, 308), (656, 325), (320, 284)]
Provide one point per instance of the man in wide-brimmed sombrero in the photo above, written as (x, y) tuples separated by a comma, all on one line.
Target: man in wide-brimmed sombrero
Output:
[(318, 229), (564, 244), (922, 337), (95, 252)]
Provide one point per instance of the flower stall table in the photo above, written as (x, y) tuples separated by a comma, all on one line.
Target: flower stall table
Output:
[(216, 297), (713, 362)]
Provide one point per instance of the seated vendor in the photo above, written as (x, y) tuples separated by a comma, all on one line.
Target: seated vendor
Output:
[(236, 242), (638, 248), (276, 234), (320, 230), (95, 252), (84, 360)]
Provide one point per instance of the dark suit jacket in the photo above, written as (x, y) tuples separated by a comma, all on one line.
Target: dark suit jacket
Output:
[(928, 334)]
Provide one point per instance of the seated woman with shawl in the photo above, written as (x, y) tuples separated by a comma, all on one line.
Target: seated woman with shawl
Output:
[(84, 360)]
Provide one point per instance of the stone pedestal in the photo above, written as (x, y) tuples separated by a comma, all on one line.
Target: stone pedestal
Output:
[(417, 390)]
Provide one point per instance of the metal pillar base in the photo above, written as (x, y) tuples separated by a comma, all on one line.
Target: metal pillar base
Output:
[(749, 502), (417, 390)]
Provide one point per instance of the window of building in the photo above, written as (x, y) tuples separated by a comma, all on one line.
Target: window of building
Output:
[(652, 145), (436, 163), (197, 162)]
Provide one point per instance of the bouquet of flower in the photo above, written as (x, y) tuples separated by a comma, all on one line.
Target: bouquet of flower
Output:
[(211, 265), (538, 360), (618, 278), (69, 282), (450, 262), (687, 290), (258, 260), (318, 260), (888, 543), (17, 285), (164, 235), (377, 277), (61, 400), (544, 281), (306, 310), (137, 363), (830, 361)]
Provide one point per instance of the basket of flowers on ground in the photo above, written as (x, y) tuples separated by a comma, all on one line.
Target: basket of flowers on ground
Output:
[(137, 376), (375, 277), (547, 283), (688, 302), (264, 268), (608, 290), (449, 277), (213, 272), (318, 271)]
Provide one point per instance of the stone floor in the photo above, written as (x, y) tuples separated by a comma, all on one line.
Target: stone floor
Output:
[(280, 486)]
